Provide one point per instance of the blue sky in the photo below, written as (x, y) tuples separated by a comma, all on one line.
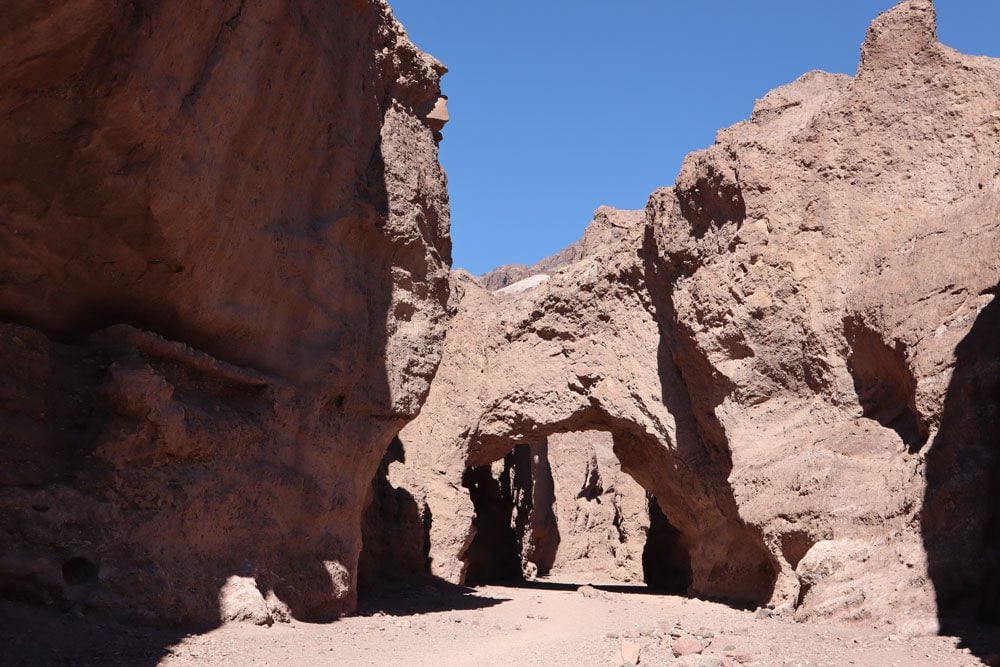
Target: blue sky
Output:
[(560, 106)]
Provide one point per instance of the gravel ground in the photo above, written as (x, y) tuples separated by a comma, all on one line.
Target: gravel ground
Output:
[(531, 623)]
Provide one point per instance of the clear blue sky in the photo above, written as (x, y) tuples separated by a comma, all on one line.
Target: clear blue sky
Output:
[(560, 106)]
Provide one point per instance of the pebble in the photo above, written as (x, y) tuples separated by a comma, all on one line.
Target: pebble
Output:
[(699, 661)]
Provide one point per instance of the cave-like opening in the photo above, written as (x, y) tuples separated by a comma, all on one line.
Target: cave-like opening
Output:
[(564, 507), (666, 563), (502, 496)]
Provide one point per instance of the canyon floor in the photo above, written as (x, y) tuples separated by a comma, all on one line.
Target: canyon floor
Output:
[(543, 622)]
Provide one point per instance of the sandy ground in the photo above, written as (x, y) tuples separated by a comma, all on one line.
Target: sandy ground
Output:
[(532, 623)]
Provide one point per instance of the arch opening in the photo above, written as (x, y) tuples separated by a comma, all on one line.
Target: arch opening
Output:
[(564, 510), (666, 563)]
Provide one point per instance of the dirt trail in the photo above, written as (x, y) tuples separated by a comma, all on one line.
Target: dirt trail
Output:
[(532, 623)]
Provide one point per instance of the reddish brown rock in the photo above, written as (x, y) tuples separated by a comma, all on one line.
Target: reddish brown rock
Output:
[(687, 645), (223, 281), (602, 514), (224, 292), (793, 348), (580, 352)]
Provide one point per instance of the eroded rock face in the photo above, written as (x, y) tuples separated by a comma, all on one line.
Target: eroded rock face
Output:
[(583, 351), (794, 348), (223, 280), (602, 513)]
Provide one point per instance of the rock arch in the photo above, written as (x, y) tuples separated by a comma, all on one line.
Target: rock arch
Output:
[(728, 560), (584, 351)]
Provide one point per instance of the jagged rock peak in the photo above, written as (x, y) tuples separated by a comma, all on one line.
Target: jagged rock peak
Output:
[(900, 35)]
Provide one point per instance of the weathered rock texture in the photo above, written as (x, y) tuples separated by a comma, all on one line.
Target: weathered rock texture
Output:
[(584, 351), (602, 514), (794, 348), (223, 278), (509, 275)]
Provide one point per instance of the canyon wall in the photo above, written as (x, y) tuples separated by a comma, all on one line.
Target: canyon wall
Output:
[(224, 252), (794, 348), (224, 292)]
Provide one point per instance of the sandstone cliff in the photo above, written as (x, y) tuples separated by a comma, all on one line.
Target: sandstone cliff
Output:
[(223, 281), (794, 348)]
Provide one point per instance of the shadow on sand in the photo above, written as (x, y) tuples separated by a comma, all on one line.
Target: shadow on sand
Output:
[(422, 595), (544, 585), (37, 635)]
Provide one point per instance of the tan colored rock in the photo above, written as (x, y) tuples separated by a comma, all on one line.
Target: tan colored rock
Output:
[(438, 116), (582, 352), (602, 514), (687, 645), (793, 349), (629, 651), (786, 325), (224, 256), (241, 600)]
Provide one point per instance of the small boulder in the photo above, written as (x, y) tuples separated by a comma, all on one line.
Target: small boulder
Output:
[(786, 610), (629, 651), (241, 601), (438, 117), (688, 645)]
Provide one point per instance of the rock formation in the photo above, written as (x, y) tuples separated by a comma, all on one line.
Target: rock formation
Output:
[(223, 287), (508, 276), (602, 514), (794, 348), (224, 292)]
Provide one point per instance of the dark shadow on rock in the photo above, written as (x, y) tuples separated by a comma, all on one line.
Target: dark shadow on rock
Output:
[(691, 388), (542, 544), (884, 382), (961, 514), (516, 530), (666, 563), (495, 552), (421, 595), (395, 529)]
